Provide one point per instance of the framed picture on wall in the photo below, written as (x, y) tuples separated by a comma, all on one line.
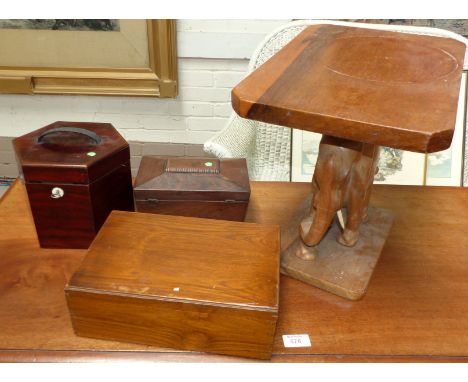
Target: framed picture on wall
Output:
[(400, 167), (83, 56), (395, 166), (465, 138), (305, 146), (444, 168)]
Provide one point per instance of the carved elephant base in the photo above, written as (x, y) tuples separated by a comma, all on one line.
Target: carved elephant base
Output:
[(315, 249), (346, 238), (341, 270)]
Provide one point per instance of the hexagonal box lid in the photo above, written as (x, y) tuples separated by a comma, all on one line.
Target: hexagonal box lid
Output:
[(70, 152)]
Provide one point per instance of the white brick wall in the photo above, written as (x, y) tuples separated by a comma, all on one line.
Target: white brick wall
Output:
[(228, 79), (197, 78), (213, 57)]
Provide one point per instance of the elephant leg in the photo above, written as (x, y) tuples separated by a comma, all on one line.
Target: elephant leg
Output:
[(359, 194), (324, 204), (303, 251), (330, 176), (350, 234)]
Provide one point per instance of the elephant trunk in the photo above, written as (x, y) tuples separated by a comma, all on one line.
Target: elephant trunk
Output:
[(330, 181), (322, 220)]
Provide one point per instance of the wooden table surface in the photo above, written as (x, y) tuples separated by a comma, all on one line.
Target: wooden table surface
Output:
[(380, 87), (416, 308)]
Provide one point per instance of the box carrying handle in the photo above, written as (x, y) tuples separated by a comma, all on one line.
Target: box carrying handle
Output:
[(90, 134)]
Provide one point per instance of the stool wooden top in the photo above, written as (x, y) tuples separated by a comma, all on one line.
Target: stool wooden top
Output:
[(385, 88)]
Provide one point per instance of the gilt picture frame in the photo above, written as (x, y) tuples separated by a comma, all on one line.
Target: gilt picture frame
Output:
[(155, 74)]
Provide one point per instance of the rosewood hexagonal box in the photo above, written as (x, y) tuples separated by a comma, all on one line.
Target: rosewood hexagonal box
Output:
[(75, 173)]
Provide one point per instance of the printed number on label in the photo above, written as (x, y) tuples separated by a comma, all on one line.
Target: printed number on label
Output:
[(296, 341)]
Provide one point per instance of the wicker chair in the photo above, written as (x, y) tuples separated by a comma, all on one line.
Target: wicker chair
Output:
[(267, 147)]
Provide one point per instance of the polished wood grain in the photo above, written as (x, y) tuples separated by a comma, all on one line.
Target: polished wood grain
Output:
[(198, 357), (194, 187), (176, 324), (416, 308), (379, 87), (232, 210), (191, 254), (180, 282), (56, 156)]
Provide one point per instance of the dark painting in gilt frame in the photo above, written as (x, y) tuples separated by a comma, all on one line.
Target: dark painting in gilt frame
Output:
[(62, 24), (98, 57)]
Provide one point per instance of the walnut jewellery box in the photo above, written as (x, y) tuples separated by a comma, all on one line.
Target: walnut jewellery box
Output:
[(198, 187), (179, 282)]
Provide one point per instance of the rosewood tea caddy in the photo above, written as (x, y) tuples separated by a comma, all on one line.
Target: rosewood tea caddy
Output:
[(75, 173), (198, 187), (179, 282)]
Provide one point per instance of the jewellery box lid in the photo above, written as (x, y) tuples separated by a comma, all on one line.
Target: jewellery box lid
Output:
[(183, 259), (188, 178), (70, 152)]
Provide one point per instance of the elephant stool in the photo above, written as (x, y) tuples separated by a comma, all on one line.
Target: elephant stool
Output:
[(361, 88)]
